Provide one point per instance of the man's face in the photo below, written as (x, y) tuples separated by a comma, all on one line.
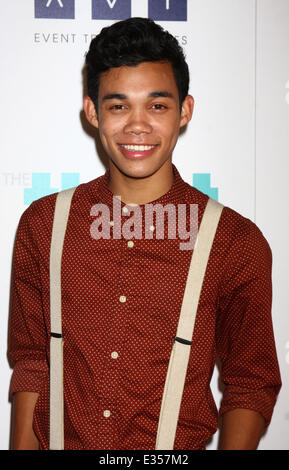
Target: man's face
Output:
[(138, 116)]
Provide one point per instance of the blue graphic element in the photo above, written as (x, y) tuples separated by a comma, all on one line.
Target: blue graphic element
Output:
[(202, 181), (41, 185), (111, 9), (69, 180), (56, 9), (168, 10)]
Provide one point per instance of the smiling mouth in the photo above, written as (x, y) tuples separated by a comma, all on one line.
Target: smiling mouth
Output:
[(136, 148), (134, 151)]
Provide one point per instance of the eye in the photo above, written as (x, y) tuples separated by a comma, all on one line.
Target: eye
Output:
[(117, 107), (159, 106)]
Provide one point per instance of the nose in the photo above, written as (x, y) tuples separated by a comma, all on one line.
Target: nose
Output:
[(138, 123)]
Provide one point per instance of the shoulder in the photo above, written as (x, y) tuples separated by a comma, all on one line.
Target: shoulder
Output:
[(245, 248), (243, 234), (237, 235), (34, 229), (41, 211)]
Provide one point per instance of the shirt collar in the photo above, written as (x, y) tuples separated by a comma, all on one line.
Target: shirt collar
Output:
[(175, 195)]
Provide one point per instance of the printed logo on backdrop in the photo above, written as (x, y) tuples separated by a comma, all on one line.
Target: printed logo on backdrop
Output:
[(111, 9), (56, 9), (41, 185), (159, 10), (168, 10), (202, 181)]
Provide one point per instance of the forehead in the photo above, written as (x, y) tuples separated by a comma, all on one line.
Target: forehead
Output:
[(144, 78)]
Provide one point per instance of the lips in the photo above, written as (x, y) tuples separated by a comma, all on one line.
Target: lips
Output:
[(137, 151)]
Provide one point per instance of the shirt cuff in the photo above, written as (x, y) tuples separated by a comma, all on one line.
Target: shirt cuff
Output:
[(28, 376), (262, 400)]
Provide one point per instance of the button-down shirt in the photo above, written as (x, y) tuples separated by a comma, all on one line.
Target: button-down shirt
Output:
[(121, 300)]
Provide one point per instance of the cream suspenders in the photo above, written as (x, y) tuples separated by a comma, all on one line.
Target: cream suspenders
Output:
[(180, 353), (56, 431), (179, 358)]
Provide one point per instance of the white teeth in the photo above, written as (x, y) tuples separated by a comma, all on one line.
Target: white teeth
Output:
[(140, 148)]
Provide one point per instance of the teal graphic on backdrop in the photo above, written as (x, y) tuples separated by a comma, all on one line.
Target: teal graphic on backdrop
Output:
[(202, 181), (41, 185)]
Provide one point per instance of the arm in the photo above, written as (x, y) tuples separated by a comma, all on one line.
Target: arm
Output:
[(245, 340), (22, 434), (241, 430), (27, 336)]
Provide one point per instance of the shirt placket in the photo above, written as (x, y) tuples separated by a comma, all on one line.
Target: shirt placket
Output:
[(123, 305)]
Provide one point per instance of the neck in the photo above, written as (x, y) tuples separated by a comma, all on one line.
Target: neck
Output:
[(143, 189)]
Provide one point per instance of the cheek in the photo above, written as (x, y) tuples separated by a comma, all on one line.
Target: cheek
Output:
[(109, 131), (169, 130)]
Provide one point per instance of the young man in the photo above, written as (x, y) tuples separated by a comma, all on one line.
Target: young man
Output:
[(121, 298)]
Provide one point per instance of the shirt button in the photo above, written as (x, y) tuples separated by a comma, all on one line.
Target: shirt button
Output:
[(130, 244), (122, 298), (111, 223), (124, 210), (152, 228), (114, 355), (106, 413)]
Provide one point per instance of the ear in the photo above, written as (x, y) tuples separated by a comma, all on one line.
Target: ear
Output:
[(187, 110), (90, 111)]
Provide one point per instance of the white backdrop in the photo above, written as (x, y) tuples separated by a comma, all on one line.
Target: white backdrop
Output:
[(234, 149)]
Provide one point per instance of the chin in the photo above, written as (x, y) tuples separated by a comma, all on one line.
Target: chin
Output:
[(138, 173), (138, 169)]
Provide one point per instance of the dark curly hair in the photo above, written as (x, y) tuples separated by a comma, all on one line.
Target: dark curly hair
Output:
[(131, 42)]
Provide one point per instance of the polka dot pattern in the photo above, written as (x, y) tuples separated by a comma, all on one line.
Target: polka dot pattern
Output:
[(120, 308)]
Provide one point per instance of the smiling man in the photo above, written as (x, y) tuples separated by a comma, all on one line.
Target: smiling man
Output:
[(122, 296), (139, 114)]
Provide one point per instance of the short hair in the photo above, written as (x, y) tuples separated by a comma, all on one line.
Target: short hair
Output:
[(131, 42)]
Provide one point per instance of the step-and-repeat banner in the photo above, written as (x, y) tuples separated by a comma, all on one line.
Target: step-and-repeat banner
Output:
[(235, 148)]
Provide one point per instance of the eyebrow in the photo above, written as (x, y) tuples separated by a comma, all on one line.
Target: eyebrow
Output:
[(161, 94), (114, 96), (120, 96)]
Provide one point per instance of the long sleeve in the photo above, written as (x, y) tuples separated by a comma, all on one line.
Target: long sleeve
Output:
[(27, 335), (244, 333)]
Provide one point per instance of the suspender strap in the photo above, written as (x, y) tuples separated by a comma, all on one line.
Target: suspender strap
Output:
[(56, 434), (180, 353)]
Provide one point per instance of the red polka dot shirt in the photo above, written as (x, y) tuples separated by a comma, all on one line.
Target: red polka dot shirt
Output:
[(121, 300)]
